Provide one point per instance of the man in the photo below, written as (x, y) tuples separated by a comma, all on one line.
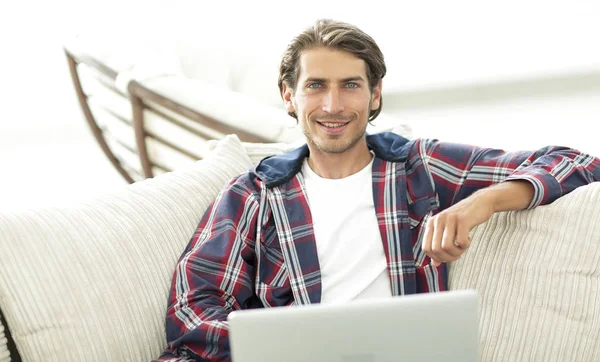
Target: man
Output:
[(348, 215)]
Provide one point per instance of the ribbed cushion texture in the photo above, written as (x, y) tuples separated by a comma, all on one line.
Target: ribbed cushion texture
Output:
[(538, 275), (90, 282), (4, 353)]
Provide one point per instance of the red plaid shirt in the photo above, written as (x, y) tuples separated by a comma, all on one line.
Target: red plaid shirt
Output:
[(255, 247)]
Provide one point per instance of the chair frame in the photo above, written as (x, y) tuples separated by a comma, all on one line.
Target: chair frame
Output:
[(143, 99)]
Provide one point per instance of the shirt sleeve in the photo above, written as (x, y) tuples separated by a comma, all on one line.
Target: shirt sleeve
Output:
[(213, 277), (457, 170)]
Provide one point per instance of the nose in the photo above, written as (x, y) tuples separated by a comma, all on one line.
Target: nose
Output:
[(332, 102)]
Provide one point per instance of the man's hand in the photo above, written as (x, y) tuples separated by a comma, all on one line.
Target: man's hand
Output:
[(447, 234)]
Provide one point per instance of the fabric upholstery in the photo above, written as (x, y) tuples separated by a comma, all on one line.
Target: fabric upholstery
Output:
[(89, 282), (538, 276)]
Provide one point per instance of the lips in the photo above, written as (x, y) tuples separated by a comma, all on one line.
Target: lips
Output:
[(333, 124), (333, 127)]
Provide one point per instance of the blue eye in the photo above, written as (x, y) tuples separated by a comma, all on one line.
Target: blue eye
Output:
[(352, 85), (314, 85)]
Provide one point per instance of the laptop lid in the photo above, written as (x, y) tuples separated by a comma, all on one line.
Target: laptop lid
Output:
[(423, 327)]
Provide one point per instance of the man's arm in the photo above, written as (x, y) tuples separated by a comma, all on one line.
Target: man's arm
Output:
[(214, 276), (447, 234), (509, 196), (462, 175)]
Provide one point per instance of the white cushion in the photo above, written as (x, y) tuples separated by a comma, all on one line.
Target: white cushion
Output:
[(223, 104), (149, 68), (257, 151), (90, 282), (539, 277)]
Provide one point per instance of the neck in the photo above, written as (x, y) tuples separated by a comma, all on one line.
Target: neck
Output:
[(339, 165)]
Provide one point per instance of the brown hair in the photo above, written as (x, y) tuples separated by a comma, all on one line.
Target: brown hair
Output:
[(336, 35)]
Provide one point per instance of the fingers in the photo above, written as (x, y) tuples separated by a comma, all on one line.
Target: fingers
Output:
[(435, 253), (440, 233), (463, 240), (445, 239), (427, 237), (444, 247)]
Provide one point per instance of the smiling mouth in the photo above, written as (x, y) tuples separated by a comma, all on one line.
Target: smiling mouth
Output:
[(333, 125)]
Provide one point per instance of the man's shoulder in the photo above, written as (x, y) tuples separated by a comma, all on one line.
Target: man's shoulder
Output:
[(245, 184), (279, 169), (390, 146)]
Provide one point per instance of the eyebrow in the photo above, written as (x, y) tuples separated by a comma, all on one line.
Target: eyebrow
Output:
[(345, 80)]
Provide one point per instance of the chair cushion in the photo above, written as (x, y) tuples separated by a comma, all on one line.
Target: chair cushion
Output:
[(90, 282), (220, 103), (538, 276)]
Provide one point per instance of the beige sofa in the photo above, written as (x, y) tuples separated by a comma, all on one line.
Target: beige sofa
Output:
[(89, 282)]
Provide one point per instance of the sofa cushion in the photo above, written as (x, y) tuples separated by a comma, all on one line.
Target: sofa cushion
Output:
[(89, 282), (538, 276)]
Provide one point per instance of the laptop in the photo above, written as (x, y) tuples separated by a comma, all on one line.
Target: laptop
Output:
[(423, 327)]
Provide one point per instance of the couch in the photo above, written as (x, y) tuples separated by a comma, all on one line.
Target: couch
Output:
[(90, 281)]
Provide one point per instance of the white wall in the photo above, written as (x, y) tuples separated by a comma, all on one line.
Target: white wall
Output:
[(428, 45), (536, 50), (47, 153), (517, 125)]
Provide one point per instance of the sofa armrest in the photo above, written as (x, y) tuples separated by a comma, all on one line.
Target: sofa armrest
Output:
[(89, 281), (538, 274)]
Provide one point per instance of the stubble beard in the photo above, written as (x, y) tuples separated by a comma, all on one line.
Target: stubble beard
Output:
[(334, 147), (333, 144)]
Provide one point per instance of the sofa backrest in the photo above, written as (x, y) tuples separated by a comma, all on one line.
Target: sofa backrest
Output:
[(89, 282), (538, 275)]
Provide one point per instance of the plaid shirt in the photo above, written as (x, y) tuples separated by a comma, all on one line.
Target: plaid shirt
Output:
[(255, 247)]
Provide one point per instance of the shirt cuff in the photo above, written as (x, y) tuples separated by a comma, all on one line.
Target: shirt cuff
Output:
[(545, 186)]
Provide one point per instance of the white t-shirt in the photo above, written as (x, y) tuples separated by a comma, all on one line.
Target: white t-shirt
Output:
[(349, 245)]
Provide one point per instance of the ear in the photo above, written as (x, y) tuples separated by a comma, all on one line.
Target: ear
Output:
[(376, 96), (287, 93)]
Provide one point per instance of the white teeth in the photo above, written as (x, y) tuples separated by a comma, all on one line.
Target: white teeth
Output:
[(333, 125)]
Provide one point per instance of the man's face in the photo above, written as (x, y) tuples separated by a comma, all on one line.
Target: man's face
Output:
[(332, 99)]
